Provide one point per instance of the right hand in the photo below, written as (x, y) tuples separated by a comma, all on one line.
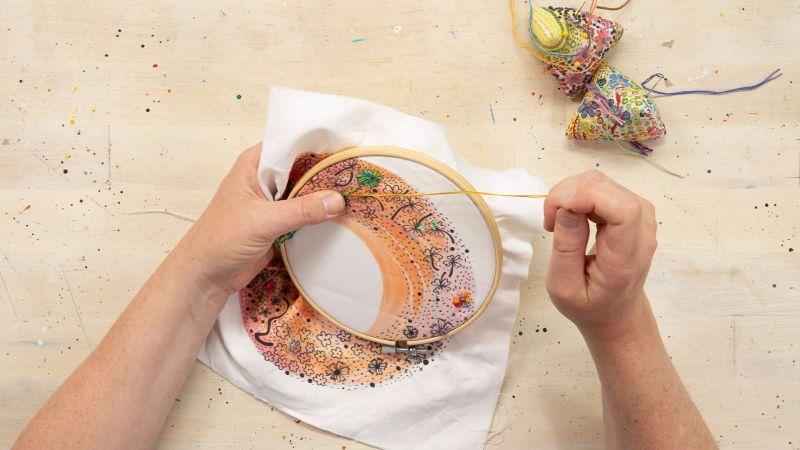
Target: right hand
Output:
[(602, 292)]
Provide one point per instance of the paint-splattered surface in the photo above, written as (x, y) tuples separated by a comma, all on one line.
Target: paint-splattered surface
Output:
[(113, 109)]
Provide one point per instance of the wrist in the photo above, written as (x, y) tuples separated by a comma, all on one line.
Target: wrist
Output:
[(632, 330), (202, 257), (186, 271)]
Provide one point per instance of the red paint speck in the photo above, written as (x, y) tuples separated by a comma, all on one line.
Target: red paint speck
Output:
[(26, 208), (155, 65), (169, 91)]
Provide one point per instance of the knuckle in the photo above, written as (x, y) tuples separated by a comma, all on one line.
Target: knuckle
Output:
[(244, 156), (549, 202), (652, 245), (648, 208), (307, 211), (566, 248), (558, 291), (594, 174), (586, 188), (633, 208)]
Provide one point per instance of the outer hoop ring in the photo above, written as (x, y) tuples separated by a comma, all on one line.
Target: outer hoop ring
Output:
[(444, 170)]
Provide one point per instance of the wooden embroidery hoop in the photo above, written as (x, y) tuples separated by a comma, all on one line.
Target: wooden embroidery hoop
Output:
[(446, 172)]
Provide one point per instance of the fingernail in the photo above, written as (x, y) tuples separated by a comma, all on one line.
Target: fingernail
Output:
[(334, 204), (567, 219)]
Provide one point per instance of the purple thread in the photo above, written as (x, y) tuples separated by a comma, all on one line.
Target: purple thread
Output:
[(603, 103), (641, 148), (774, 75)]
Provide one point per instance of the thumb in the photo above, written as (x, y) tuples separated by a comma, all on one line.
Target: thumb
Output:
[(566, 272), (285, 216)]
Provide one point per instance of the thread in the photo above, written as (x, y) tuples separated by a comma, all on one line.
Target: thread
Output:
[(648, 160), (523, 45), (773, 76), (613, 8), (437, 194), (179, 216), (594, 6), (544, 50)]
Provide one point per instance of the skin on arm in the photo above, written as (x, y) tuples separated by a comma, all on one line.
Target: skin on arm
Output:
[(645, 404), (121, 395)]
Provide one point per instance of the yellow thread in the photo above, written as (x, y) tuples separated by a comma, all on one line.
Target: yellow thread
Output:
[(523, 45), (521, 42), (434, 194)]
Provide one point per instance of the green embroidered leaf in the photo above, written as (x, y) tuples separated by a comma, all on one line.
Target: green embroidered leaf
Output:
[(369, 178)]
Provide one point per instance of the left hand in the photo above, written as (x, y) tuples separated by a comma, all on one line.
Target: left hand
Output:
[(233, 240)]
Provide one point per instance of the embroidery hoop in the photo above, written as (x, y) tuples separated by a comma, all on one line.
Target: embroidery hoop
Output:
[(447, 173)]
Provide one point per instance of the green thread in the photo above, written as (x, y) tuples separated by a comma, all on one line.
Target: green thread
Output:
[(369, 178), (285, 237)]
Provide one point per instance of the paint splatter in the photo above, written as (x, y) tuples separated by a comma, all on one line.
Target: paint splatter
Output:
[(238, 96), (357, 40)]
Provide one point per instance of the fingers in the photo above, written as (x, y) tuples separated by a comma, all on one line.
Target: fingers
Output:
[(563, 191), (628, 220), (245, 170), (566, 273), (288, 215), (587, 183), (609, 202)]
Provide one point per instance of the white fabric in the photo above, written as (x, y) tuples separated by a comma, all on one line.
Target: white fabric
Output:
[(450, 403)]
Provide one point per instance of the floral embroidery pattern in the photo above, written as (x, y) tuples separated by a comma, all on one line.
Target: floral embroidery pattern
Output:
[(324, 338), (590, 38), (369, 178), (615, 108), (377, 366), (302, 344), (343, 336), (337, 371), (309, 345), (441, 327), (410, 332), (464, 298), (432, 260)]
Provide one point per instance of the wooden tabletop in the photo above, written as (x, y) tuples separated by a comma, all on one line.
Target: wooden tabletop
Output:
[(110, 109)]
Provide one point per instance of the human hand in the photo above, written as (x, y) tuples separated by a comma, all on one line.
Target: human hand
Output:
[(601, 292), (233, 240)]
